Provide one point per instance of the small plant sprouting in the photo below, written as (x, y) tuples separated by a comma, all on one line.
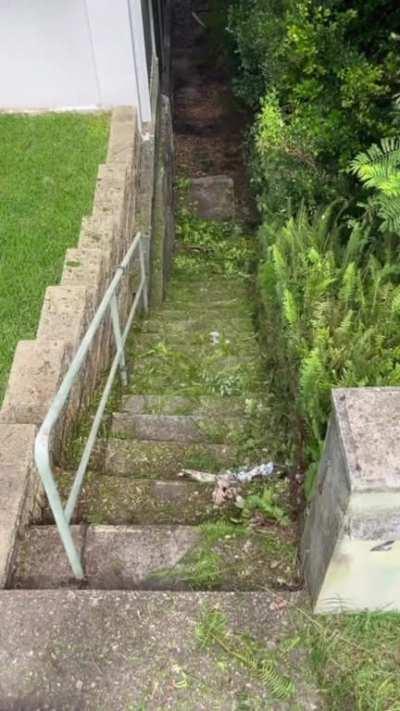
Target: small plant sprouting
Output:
[(267, 504)]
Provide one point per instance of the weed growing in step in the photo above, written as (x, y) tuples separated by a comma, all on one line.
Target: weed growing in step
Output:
[(265, 666), (211, 247), (202, 569), (267, 504)]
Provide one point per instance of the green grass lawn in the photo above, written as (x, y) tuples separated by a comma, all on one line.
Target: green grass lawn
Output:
[(356, 659), (48, 167)]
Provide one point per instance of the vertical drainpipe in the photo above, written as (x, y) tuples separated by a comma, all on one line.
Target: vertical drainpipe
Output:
[(139, 60)]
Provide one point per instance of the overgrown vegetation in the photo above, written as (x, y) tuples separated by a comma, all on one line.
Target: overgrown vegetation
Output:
[(322, 79), (48, 166), (356, 660)]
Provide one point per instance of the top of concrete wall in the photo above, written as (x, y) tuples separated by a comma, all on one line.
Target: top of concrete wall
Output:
[(368, 420)]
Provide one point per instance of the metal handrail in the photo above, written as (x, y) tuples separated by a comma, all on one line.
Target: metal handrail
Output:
[(62, 516)]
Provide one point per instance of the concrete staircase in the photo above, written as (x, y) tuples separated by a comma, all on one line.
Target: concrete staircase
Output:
[(157, 554), (137, 516)]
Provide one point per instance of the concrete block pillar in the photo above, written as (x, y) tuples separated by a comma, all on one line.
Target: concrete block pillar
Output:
[(351, 541)]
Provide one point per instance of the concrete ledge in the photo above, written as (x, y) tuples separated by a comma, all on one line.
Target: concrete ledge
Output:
[(35, 376), (351, 541), (18, 488)]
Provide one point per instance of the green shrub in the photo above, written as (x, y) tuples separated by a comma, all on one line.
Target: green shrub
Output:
[(322, 90), (333, 308)]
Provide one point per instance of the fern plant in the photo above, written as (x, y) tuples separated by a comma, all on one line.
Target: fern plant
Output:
[(378, 168), (264, 666), (334, 308)]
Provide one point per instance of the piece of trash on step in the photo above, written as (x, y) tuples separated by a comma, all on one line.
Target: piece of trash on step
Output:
[(215, 337), (262, 470), (227, 484), (202, 477), (225, 490), (243, 476)]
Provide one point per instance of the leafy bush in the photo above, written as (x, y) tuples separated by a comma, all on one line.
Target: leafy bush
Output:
[(323, 85), (322, 78), (333, 308)]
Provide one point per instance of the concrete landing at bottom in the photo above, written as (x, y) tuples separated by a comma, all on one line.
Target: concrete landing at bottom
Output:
[(125, 651)]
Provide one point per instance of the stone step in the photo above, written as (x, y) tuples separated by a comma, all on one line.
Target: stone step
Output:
[(194, 375), (175, 428), (197, 345), (175, 405), (124, 501), (85, 649), (202, 322), (235, 305), (212, 289), (193, 310), (155, 460), (218, 556), (114, 557)]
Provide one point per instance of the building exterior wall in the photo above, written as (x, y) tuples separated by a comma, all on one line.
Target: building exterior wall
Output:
[(64, 54)]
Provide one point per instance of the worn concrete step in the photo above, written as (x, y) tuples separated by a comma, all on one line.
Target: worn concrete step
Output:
[(193, 310), (236, 305), (125, 501), (201, 322), (204, 343), (82, 649), (175, 405), (175, 428), (212, 289), (218, 556), (155, 460), (114, 557), (184, 374)]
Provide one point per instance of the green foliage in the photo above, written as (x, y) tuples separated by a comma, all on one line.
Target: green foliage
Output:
[(371, 681), (379, 169), (333, 308), (262, 665), (323, 81), (48, 166), (212, 247), (268, 504)]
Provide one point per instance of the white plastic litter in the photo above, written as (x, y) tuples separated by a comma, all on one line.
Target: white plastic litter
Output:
[(215, 337), (227, 485)]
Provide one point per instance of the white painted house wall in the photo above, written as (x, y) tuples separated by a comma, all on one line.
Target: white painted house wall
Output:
[(81, 54)]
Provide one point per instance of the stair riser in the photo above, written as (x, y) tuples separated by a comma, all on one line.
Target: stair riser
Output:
[(170, 428)]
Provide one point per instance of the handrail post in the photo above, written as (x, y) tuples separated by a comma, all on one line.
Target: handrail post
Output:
[(118, 338), (143, 277), (50, 486)]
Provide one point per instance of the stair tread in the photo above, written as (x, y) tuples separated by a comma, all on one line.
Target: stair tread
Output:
[(98, 649), (150, 459), (156, 557), (176, 428), (178, 405), (120, 500)]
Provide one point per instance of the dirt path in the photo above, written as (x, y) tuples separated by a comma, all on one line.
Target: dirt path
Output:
[(209, 124)]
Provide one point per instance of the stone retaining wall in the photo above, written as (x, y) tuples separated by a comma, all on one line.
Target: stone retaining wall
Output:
[(351, 541), (123, 202)]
